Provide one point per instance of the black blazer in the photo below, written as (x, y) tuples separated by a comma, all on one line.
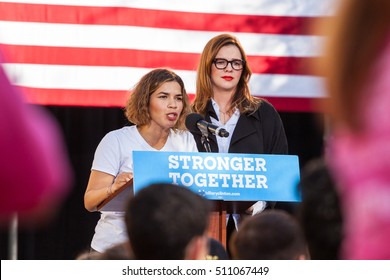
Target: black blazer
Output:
[(261, 132)]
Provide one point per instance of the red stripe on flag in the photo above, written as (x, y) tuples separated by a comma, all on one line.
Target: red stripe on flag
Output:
[(294, 104), (72, 97), (143, 59), (287, 25), (116, 98)]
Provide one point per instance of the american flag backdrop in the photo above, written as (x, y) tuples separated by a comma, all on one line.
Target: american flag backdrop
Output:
[(90, 53)]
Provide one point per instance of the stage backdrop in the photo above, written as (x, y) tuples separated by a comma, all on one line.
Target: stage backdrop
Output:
[(90, 53), (71, 231)]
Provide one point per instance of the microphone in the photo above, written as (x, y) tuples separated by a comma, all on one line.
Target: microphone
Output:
[(195, 122)]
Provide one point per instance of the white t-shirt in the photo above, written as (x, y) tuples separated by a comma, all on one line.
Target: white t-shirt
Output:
[(113, 156)]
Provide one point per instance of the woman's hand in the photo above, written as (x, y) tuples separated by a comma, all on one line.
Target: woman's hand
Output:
[(101, 185), (120, 181), (256, 208)]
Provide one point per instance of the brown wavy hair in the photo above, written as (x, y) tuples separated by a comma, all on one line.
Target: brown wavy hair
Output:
[(242, 98), (137, 106), (356, 36)]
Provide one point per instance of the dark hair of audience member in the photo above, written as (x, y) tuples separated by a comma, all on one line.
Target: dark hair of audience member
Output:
[(216, 250), (162, 219), (319, 212), (271, 235)]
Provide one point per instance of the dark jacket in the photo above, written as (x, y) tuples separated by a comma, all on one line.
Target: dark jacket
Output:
[(260, 132)]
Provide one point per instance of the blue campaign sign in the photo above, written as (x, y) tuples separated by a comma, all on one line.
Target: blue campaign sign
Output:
[(219, 176)]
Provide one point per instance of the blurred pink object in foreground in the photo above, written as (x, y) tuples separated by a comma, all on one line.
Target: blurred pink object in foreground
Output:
[(35, 172)]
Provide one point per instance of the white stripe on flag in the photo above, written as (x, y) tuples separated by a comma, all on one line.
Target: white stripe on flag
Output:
[(309, 8), (124, 78), (142, 38)]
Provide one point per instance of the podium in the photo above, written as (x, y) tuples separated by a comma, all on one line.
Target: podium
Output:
[(121, 197), (217, 222), (233, 182)]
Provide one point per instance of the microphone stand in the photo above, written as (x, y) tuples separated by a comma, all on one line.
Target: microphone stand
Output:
[(13, 238), (220, 217), (205, 139)]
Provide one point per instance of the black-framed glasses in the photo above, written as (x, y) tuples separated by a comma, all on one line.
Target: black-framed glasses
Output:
[(221, 63)]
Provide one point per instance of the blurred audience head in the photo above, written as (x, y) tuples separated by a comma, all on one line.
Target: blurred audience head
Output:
[(167, 222), (356, 36), (216, 250), (319, 212), (270, 235)]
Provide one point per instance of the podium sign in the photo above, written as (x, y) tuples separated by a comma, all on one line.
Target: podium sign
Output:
[(219, 176)]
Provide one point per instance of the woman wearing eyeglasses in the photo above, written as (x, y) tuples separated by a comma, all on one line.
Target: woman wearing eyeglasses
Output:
[(224, 99)]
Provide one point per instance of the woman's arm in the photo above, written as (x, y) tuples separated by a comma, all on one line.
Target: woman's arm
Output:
[(101, 185)]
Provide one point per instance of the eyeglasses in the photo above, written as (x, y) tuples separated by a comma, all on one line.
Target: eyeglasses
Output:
[(221, 63)]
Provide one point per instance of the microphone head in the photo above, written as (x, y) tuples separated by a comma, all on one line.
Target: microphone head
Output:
[(191, 122), (221, 132)]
